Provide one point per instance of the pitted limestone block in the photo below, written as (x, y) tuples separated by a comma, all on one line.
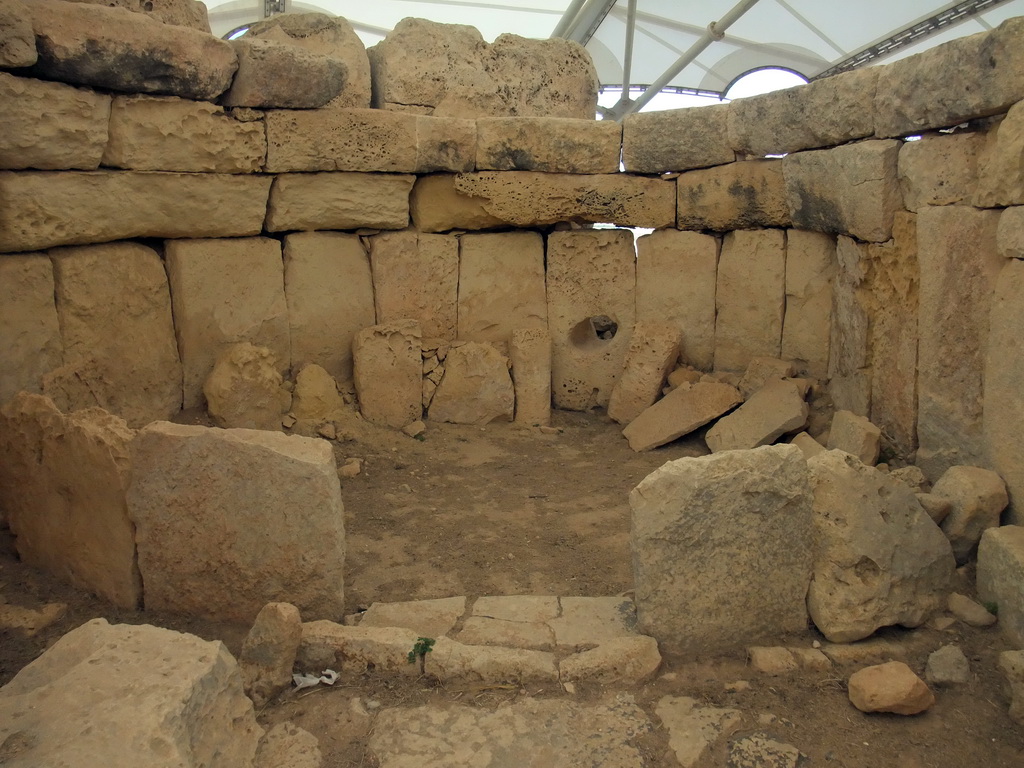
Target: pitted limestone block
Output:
[(774, 410), (855, 435), (549, 144), (653, 349), (744, 195), (311, 201), (437, 206), (591, 311), (182, 13), (282, 76), (940, 169), (29, 329), (530, 353), (17, 40), (388, 373), (1010, 233), (1001, 164), (676, 139), (1001, 578), (245, 389), (476, 388), (977, 497), (676, 274), (849, 360), (680, 412)]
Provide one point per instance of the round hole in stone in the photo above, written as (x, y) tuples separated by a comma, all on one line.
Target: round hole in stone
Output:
[(594, 331), (147, 6)]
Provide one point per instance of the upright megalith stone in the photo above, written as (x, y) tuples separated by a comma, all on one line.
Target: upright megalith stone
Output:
[(530, 353), (726, 538), (229, 520), (476, 388), (810, 272), (849, 359), (1001, 578), (388, 366), (29, 329)]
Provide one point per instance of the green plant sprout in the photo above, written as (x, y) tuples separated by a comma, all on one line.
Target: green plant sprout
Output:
[(420, 649)]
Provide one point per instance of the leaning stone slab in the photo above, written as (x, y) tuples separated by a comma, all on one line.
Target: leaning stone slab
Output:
[(762, 370), (530, 353), (855, 435), (693, 729), (754, 504), (744, 195), (29, 329), (328, 645), (254, 484), (775, 409), (282, 76), (451, 660), (388, 373), (268, 652), (43, 210), (977, 497), (676, 139), (679, 413), (653, 349), (312, 201), (940, 169), (621, 661), (1001, 577), (115, 49), (437, 206), (17, 40), (476, 388), (548, 144), (429, 618), (127, 696), (1010, 233)]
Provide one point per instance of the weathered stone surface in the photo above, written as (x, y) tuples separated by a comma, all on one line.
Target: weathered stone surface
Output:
[(17, 40), (762, 370), (891, 687), (819, 114), (968, 611), (329, 290), (548, 144), (912, 476), (483, 630), (501, 285), (978, 497), (29, 330), (750, 297), (1001, 576), (62, 489), (388, 372), (939, 169), (450, 660), (584, 621), (437, 206), (115, 320), (937, 507), (330, 36), (530, 353), (743, 195), (1012, 665), (774, 660), (288, 746), (760, 750), (163, 133), (807, 445), (119, 50), (1010, 233), (429, 618), (849, 361), (339, 201), (224, 292), (204, 548), (372, 140), (693, 730), (416, 277), (282, 76), (51, 126), (476, 388), (245, 389), (880, 560), (624, 660), (527, 608), (676, 139), (684, 409), (127, 696), (591, 310), (653, 348), (182, 13), (946, 85), (1001, 166), (775, 409), (850, 190), (316, 395), (855, 435), (959, 266), (754, 504), (946, 666), (448, 69), (676, 274), (528, 199), (327, 645), (268, 652)]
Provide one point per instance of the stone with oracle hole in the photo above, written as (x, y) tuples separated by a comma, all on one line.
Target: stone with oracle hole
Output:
[(268, 652), (891, 687), (856, 435), (978, 497)]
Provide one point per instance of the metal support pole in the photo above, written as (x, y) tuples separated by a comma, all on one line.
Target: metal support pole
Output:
[(627, 58), (568, 18)]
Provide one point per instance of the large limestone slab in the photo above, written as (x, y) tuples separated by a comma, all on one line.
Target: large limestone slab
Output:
[(1001, 167), (530, 354), (116, 49), (653, 349), (850, 190), (129, 695), (548, 144), (684, 409), (676, 139), (29, 329), (228, 520), (476, 388), (810, 270), (742, 195), (1001, 576), (501, 285), (282, 76), (308, 201), (62, 487), (775, 409), (42, 210), (591, 310), (182, 13), (163, 133), (880, 560), (17, 40), (753, 505), (437, 206), (959, 265), (849, 361), (940, 169), (329, 290), (224, 292), (388, 373), (448, 69), (750, 297), (676, 275), (429, 618)]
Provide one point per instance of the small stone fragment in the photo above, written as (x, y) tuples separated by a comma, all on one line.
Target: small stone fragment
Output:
[(772, 661), (948, 665), (970, 612), (350, 468), (244, 390), (415, 428), (912, 476), (807, 444), (891, 687)]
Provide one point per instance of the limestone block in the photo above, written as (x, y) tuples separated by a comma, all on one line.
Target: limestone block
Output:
[(448, 69), (676, 139), (327, 645), (527, 199), (1012, 665), (584, 621), (855, 435), (959, 265), (483, 630), (820, 114), (775, 409), (116, 49), (388, 373), (591, 310), (849, 360), (891, 687), (476, 388), (653, 349), (372, 140), (762, 370), (937, 507), (548, 144), (525, 608), (969, 612), (416, 276), (623, 660), (115, 319), (42, 210), (51, 126), (437, 206), (450, 660), (339, 201), (756, 506), (29, 329), (676, 274), (182, 13), (680, 412), (245, 389), (807, 445), (501, 285), (17, 40), (163, 133), (1003, 412), (530, 353), (940, 169), (329, 290), (428, 618), (750, 297), (316, 395), (1001, 166), (1010, 233), (743, 195), (951, 83), (126, 695), (810, 270), (288, 746), (268, 652), (62, 487), (694, 729), (1001, 576), (208, 548), (948, 665), (978, 498), (880, 560), (282, 76)]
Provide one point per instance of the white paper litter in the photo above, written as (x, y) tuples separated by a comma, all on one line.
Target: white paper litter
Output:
[(328, 677)]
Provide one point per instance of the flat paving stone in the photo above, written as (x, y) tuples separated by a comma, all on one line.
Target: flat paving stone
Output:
[(592, 620), (693, 730), (517, 607), (429, 618)]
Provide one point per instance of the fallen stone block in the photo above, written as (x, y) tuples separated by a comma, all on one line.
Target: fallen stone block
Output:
[(948, 666), (29, 329), (1001, 577), (450, 661), (17, 40), (653, 348), (311, 201), (1012, 665), (530, 353), (282, 76), (913, 477), (855, 435), (679, 413), (437, 206), (693, 729), (969, 612), (891, 687), (288, 746), (742, 195), (547, 144), (269, 650), (761, 370), (775, 409), (388, 374), (429, 618), (476, 388), (245, 389), (977, 497), (583, 621), (676, 139), (623, 660)]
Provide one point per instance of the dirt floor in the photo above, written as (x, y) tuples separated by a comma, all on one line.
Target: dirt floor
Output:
[(500, 510)]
